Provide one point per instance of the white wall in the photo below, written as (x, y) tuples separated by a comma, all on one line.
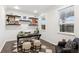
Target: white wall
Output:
[(51, 34), (16, 12), (77, 21), (2, 27)]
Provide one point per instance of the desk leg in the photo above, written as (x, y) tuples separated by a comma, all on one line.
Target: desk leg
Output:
[(38, 37), (78, 47), (17, 44)]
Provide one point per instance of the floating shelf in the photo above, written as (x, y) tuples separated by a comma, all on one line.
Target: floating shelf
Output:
[(33, 18), (25, 20), (13, 15), (33, 24), (13, 24)]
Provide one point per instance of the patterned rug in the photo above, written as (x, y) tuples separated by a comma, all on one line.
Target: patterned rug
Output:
[(11, 47)]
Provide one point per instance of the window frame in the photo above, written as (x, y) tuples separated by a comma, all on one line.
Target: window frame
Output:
[(63, 22)]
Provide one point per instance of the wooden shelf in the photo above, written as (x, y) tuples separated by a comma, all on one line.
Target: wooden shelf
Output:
[(25, 20), (33, 24), (13, 15), (33, 18), (13, 24)]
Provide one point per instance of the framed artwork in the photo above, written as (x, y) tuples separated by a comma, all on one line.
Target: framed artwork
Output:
[(43, 23), (24, 17), (43, 27)]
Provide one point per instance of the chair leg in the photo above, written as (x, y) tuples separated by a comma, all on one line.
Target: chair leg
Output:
[(23, 50)]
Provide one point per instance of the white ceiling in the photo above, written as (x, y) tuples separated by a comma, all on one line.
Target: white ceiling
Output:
[(31, 8)]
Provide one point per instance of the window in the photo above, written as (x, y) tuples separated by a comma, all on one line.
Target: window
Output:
[(66, 19), (67, 28)]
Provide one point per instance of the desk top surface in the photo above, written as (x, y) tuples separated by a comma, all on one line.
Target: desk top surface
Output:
[(28, 35)]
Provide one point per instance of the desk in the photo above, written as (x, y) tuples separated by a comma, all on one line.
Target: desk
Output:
[(28, 36)]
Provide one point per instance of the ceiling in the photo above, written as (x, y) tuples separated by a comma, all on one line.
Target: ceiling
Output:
[(30, 8)]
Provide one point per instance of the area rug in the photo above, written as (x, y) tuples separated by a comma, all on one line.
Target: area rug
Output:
[(11, 47)]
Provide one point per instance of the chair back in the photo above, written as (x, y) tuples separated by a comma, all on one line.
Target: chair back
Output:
[(26, 45), (37, 43)]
